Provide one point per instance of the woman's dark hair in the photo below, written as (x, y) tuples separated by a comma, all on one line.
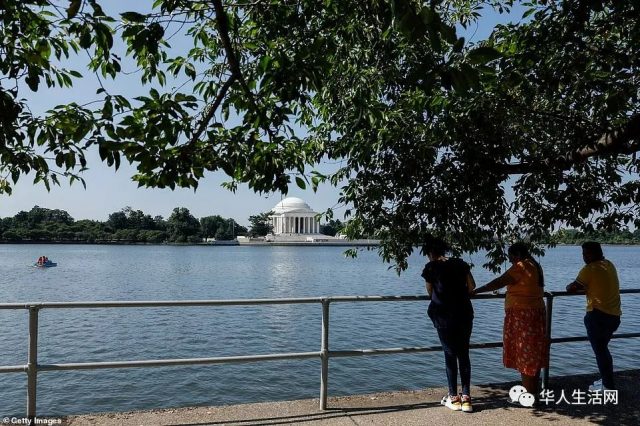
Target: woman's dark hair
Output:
[(593, 247), (521, 249), (434, 246)]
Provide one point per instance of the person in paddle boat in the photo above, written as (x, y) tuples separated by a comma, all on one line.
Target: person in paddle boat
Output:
[(43, 261)]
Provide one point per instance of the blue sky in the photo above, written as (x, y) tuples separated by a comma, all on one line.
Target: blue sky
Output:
[(109, 191)]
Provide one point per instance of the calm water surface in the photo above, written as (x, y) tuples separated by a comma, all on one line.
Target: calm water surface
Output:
[(103, 273)]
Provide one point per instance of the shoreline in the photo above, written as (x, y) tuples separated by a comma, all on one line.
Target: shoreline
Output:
[(231, 243), (345, 243)]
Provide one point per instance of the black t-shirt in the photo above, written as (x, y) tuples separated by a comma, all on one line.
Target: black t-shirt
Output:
[(450, 303)]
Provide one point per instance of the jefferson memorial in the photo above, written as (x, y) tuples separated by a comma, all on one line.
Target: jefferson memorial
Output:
[(293, 216), (294, 223)]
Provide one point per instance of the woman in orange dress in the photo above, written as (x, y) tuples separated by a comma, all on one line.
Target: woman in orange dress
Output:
[(525, 343)]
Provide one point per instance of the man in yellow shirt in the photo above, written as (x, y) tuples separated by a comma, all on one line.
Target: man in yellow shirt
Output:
[(599, 280)]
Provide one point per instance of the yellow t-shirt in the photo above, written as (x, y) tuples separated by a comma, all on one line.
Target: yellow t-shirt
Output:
[(600, 281), (526, 291)]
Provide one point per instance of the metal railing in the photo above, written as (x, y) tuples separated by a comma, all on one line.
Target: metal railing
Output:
[(32, 367)]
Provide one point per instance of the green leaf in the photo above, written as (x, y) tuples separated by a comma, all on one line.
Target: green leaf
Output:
[(107, 109), (102, 150), (300, 182), (264, 64), (73, 8), (85, 39), (458, 45), (448, 33), (483, 54), (32, 81), (133, 17), (190, 70)]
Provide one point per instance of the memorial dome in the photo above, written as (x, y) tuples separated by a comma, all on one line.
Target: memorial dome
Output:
[(292, 204)]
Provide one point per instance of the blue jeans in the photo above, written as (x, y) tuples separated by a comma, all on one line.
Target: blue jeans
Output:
[(455, 345), (600, 327)]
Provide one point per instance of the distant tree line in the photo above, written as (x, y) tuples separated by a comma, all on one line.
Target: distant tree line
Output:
[(125, 226), (573, 236), (134, 226)]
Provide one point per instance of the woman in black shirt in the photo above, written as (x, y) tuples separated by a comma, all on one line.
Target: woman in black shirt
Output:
[(449, 282)]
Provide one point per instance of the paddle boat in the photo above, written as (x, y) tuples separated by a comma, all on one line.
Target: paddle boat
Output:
[(44, 262)]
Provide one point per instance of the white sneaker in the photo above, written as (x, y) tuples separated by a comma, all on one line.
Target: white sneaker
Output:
[(452, 402), (466, 404), (597, 382)]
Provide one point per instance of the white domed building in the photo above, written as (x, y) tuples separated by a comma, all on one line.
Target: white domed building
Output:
[(292, 216), (295, 223)]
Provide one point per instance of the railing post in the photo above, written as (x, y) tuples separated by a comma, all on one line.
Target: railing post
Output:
[(545, 375), (32, 366), (324, 355)]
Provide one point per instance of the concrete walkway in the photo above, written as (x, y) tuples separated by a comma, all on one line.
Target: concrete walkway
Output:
[(405, 409)]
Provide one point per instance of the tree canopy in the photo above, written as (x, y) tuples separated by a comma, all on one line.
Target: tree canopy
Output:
[(260, 224), (332, 227), (220, 228), (483, 142)]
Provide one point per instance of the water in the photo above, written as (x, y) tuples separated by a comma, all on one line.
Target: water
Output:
[(100, 273)]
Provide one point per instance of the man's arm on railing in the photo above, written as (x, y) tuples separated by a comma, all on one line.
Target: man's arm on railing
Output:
[(575, 287)]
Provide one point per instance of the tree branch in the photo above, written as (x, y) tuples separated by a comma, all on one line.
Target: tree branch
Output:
[(223, 30), (208, 114), (622, 141), (234, 65), (236, 74)]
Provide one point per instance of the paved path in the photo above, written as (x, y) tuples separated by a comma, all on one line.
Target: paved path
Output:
[(403, 409)]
